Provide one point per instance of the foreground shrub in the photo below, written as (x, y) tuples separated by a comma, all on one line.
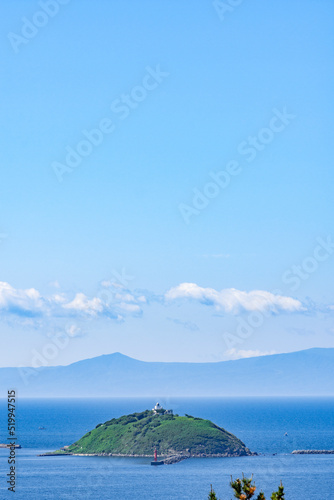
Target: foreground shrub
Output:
[(244, 489)]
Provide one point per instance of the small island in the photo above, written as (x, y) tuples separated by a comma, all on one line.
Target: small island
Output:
[(174, 437)]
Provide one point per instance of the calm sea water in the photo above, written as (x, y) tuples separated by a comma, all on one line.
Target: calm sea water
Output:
[(260, 423)]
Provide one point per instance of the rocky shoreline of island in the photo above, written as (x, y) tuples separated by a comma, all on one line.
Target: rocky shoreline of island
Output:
[(177, 457), (167, 459)]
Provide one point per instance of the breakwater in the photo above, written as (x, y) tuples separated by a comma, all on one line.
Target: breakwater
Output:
[(313, 452), (174, 459)]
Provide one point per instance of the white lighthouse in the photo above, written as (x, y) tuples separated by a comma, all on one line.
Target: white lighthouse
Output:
[(159, 410)]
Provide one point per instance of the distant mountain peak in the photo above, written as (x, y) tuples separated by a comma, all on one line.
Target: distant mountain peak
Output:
[(300, 373)]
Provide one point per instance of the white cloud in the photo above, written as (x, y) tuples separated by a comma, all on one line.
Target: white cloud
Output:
[(118, 299), (58, 298), (244, 353), (233, 301), (125, 297), (133, 308), (73, 330), (25, 302), (86, 305), (112, 302)]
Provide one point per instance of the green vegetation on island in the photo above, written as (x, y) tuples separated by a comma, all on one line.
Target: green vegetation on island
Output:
[(139, 434)]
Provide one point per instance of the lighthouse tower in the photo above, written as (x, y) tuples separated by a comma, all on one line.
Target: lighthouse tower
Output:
[(155, 461), (159, 410)]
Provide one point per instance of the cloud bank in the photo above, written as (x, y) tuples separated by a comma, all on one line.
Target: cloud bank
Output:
[(113, 302), (231, 300)]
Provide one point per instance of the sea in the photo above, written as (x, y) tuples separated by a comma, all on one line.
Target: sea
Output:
[(273, 427)]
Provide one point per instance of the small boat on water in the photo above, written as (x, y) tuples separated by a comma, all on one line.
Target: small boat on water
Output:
[(41, 428), (156, 462)]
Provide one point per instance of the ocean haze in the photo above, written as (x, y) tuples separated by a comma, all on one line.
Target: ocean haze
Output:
[(301, 373)]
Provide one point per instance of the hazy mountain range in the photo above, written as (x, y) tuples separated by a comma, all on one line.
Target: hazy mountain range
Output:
[(302, 373)]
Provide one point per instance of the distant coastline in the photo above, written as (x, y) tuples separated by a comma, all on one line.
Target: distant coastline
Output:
[(302, 373)]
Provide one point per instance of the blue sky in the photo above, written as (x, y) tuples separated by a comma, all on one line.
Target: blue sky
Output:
[(138, 249)]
